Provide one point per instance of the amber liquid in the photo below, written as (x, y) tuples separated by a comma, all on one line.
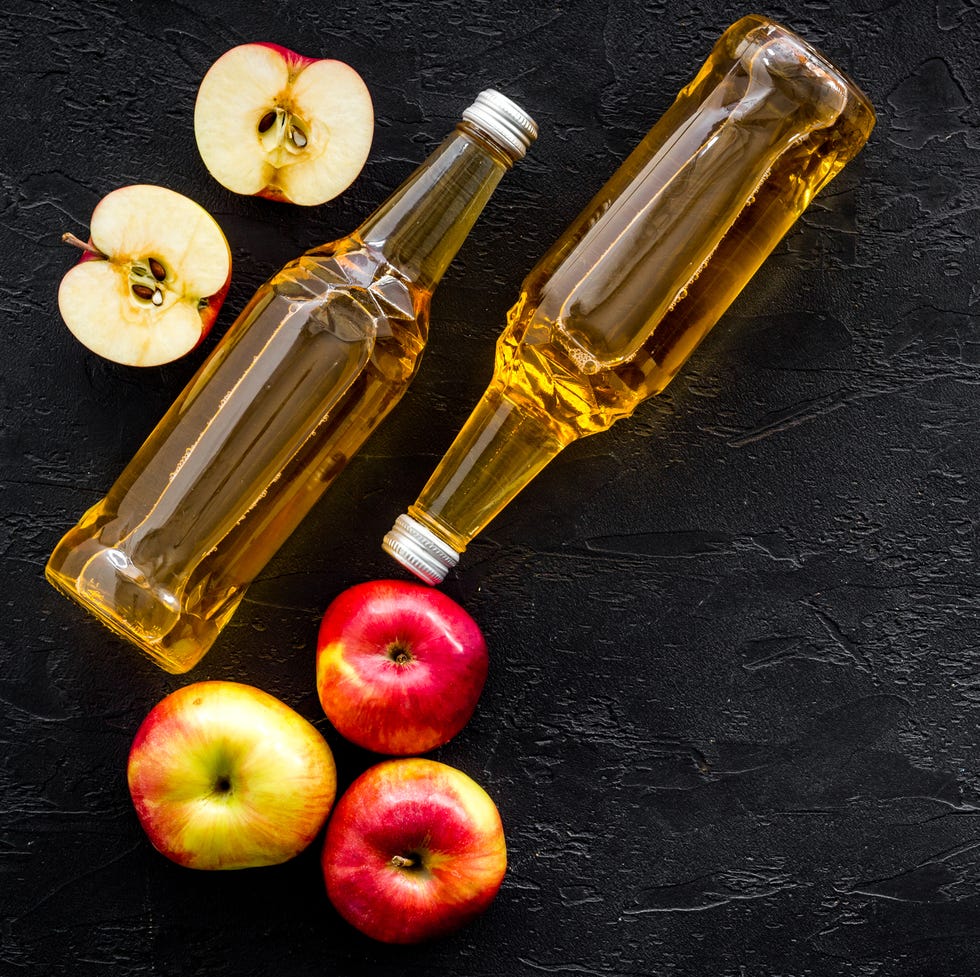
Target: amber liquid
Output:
[(613, 310), (165, 558), (306, 373)]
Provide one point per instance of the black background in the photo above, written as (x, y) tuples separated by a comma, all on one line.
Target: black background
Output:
[(731, 721)]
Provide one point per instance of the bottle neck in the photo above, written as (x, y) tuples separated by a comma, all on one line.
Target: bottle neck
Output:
[(422, 225), (500, 449)]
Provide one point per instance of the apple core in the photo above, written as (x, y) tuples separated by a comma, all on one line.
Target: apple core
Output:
[(280, 131)]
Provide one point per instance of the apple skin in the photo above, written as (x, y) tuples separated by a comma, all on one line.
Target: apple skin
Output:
[(415, 849), (226, 776), (400, 666), (209, 312), (288, 55)]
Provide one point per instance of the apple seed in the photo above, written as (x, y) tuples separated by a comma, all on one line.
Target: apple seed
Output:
[(144, 292), (280, 129), (145, 280)]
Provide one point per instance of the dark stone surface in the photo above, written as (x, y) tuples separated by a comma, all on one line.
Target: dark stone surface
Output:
[(732, 717)]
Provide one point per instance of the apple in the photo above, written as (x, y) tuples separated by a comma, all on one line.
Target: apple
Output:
[(271, 122), (151, 279), (414, 850), (399, 666), (226, 776)]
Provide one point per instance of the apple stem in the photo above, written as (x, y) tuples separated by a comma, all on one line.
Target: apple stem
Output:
[(70, 238), (400, 861)]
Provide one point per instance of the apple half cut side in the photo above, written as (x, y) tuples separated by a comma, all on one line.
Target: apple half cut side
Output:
[(272, 123), (149, 285)]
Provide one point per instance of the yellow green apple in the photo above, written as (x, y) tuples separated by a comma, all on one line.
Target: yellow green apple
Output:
[(226, 776)]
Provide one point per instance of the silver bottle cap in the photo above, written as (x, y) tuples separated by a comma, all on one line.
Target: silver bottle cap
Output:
[(505, 120), (419, 550)]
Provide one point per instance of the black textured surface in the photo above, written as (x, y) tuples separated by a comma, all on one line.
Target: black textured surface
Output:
[(732, 717)]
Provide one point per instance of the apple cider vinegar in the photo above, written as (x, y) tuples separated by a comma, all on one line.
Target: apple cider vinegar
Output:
[(309, 369), (611, 312)]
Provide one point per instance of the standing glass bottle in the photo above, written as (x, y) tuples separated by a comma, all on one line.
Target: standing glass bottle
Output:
[(308, 370), (615, 307)]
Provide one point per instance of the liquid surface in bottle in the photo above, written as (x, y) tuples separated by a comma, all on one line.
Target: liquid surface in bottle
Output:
[(303, 377), (613, 310)]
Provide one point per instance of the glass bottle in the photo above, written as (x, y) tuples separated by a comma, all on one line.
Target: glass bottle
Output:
[(316, 360), (619, 302)]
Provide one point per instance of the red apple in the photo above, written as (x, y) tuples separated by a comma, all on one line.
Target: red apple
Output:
[(414, 850), (152, 279), (226, 776), (399, 666), (271, 122)]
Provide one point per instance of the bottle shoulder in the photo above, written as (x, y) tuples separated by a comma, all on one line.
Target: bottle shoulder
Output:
[(539, 366), (355, 286)]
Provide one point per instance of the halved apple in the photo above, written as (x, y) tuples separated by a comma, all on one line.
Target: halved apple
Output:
[(151, 281), (273, 123)]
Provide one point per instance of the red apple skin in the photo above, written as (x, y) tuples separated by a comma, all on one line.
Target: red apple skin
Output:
[(400, 666), (289, 56), (276, 774), (209, 312), (430, 815), (91, 255), (272, 193)]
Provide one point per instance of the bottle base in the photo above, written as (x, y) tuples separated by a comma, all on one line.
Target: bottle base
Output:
[(105, 582)]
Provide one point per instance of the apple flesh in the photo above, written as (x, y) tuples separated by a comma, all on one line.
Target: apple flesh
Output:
[(225, 776), (150, 283), (271, 122), (414, 850), (399, 666)]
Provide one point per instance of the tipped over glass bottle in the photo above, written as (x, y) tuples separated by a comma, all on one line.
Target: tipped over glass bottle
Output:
[(620, 301), (309, 369)]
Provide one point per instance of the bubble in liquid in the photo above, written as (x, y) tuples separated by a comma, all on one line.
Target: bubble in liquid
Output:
[(586, 363)]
